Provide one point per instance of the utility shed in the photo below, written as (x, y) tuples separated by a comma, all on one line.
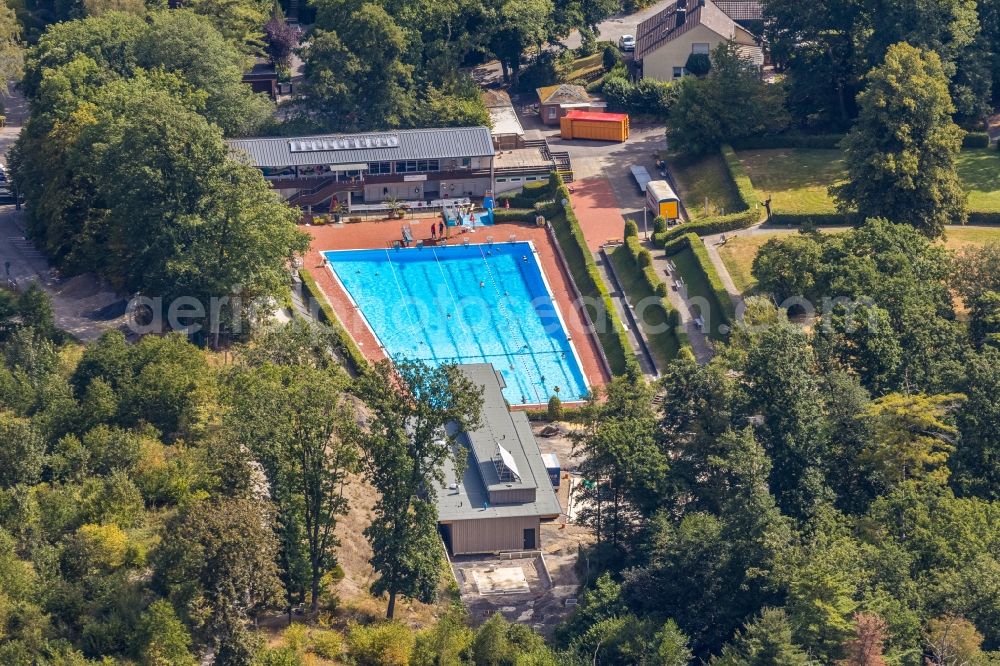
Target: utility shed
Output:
[(504, 494)]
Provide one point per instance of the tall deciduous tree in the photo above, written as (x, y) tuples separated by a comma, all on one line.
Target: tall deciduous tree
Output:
[(622, 464), (416, 411), (297, 419), (731, 102), (901, 152), (218, 561)]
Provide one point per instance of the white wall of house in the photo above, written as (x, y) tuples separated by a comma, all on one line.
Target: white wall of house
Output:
[(663, 63)]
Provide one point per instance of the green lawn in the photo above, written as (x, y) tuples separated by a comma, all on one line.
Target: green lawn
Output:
[(663, 345), (738, 254), (980, 172), (704, 181), (797, 179), (958, 237), (697, 286)]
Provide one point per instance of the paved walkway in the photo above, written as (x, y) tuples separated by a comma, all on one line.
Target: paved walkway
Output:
[(597, 210), (701, 345)]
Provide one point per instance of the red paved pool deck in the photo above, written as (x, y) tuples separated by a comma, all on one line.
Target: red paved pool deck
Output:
[(597, 210), (367, 235)]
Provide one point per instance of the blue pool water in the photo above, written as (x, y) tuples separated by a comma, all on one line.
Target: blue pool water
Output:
[(467, 304)]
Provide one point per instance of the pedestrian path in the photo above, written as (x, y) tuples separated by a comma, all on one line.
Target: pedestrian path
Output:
[(701, 346)]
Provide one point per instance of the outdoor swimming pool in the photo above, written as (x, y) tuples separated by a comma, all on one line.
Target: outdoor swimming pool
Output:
[(486, 303)]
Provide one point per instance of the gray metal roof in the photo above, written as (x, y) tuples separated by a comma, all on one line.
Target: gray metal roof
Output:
[(470, 499), (416, 144)]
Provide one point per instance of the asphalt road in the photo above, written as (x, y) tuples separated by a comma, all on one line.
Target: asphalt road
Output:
[(616, 26)]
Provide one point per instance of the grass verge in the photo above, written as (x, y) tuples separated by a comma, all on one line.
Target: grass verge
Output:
[(705, 185), (653, 317)]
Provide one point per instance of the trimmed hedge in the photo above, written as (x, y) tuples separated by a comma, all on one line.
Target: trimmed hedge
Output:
[(984, 218), (719, 293), (747, 217), (588, 279), (813, 141), (514, 215), (529, 195), (653, 281), (814, 219), (976, 140), (356, 361)]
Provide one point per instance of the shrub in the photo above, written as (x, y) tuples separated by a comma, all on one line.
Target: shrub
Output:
[(645, 259), (631, 229), (646, 96), (383, 644), (698, 64), (610, 57), (555, 409), (976, 140), (346, 347), (544, 71), (659, 224), (327, 644)]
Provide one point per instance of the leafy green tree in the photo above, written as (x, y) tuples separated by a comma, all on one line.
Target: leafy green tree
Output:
[(517, 25), (788, 267), (767, 640), (187, 44), (911, 438), (240, 21), (953, 640), (217, 560), (901, 153), (22, 451), (299, 422), (405, 445), (732, 101), (355, 74), (166, 641), (976, 461), (621, 459)]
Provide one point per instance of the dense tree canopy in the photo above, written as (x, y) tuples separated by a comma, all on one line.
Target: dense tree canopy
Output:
[(901, 153)]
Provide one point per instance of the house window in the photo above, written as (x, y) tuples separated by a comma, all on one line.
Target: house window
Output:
[(380, 167), (678, 72), (700, 47), (553, 111), (466, 162)]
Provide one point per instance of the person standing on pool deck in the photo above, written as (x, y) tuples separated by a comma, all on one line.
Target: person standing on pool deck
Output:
[(434, 233)]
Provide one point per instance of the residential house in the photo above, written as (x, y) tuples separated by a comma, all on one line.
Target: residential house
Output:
[(666, 40), (505, 491), (554, 102)]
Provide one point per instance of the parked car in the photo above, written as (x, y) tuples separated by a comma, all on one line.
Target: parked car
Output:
[(626, 43)]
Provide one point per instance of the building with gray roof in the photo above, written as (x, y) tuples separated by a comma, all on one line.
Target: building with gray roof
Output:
[(504, 493), (415, 165)]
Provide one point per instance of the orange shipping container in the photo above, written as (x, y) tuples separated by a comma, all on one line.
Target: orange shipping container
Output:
[(594, 125)]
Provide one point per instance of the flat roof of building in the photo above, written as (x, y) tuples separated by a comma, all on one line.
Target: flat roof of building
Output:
[(503, 445), (505, 121), (337, 149)]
